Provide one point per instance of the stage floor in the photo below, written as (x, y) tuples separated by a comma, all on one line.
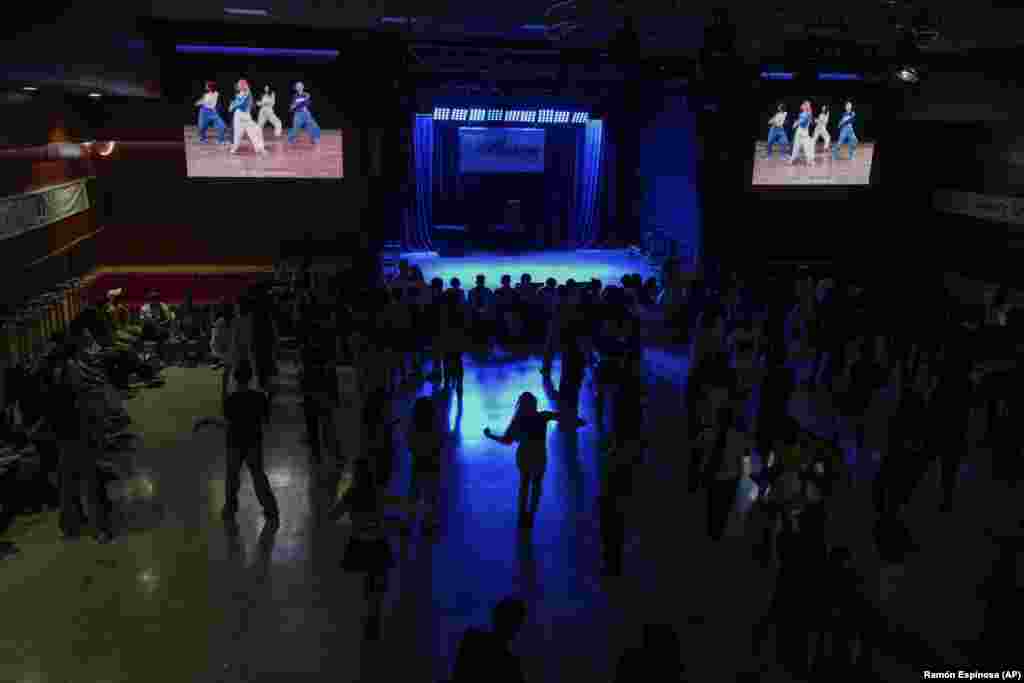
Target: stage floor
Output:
[(826, 171), (607, 265), (302, 159)]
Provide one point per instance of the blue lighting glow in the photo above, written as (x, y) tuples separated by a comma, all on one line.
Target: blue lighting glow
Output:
[(777, 75), (836, 76), (253, 51), (535, 116)]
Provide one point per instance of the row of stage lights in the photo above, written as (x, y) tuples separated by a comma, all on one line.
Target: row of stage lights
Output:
[(510, 115)]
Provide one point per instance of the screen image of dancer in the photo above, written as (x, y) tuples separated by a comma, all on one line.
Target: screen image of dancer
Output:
[(262, 126), (813, 141)]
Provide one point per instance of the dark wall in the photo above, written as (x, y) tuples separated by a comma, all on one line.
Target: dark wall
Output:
[(668, 173), (156, 215)]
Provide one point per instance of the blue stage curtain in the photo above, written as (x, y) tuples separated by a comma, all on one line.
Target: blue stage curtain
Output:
[(586, 226), (417, 236), (449, 183)]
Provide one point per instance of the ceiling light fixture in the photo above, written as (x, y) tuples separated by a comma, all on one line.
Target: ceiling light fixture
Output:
[(30, 88), (95, 95), (238, 11)]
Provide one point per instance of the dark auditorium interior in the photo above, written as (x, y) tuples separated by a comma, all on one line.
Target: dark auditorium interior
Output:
[(563, 340)]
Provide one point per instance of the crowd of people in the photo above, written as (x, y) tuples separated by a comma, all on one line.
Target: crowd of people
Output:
[(362, 347)]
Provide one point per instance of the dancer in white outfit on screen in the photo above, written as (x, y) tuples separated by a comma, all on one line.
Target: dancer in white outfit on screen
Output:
[(802, 141), (821, 130), (241, 109), (267, 114)]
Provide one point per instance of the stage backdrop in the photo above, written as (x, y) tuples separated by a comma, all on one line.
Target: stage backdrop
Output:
[(501, 150), (558, 207)]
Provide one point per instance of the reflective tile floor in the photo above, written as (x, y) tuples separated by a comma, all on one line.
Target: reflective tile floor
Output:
[(176, 598)]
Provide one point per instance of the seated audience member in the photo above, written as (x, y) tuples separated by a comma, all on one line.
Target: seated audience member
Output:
[(485, 655), (156, 318)]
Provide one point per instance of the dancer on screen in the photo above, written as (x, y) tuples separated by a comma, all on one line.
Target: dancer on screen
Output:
[(208, 115), (267, 114), (777, 131), (821, 130), (846, 134), (802, 137), (302, 117), (241, 108)]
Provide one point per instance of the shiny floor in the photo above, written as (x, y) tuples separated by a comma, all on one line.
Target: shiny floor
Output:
[(177, 599)]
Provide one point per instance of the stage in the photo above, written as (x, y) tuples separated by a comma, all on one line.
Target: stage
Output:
[(607, 265), (826, 171), (302, 159)]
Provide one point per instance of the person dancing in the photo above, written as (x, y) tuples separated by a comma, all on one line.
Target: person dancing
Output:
[(302, 117), (802, 138), (267, 114), (821, 130), (241, 108), (777, 131), (846, 134), (529, 428), (208, 115)]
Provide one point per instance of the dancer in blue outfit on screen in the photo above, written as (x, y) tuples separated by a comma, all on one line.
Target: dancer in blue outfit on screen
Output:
[(777, 131), (302, 117), (846, 134), (208, 115)]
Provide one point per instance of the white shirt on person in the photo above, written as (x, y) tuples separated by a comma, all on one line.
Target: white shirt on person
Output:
[(155, 312), (209, 100)]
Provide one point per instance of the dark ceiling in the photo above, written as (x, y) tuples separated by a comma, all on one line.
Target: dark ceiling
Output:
[(664, 25), (95, 50)]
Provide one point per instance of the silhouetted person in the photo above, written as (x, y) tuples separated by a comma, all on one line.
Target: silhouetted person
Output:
[(426, 442), (574, 365), (245, 414), (839, 621), (485, 655), (626, 453), (951, 409), (368, 551), (529, 428), (773, 402), (725, 469), (790, 611), (378, 428)]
